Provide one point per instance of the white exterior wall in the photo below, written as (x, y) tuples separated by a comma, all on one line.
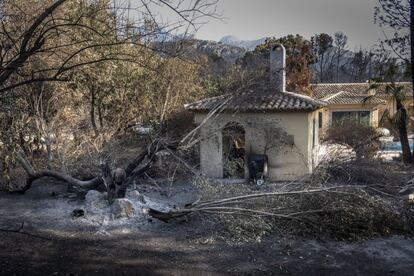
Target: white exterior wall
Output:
[(287, 163)]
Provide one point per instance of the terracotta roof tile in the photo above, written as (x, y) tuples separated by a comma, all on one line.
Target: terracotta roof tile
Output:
[(353, 98), (327, 90), (253, 100)]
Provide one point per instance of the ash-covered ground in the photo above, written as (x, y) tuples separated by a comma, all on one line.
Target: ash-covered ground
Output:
[(55, 242), (50, 209)]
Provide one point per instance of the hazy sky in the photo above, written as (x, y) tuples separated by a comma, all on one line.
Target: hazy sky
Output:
[(253, 19)]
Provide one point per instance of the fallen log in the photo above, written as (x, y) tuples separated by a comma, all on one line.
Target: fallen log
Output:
[(224, 205), (88, 184), (116, 186), (166, 216), (33, 175)]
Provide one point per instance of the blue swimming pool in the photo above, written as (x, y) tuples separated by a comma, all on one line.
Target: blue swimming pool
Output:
[(395, 146)]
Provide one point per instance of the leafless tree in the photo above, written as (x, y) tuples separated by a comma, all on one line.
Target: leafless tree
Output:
[(322, 47), (52, 41), (340, 46), (64, 37)]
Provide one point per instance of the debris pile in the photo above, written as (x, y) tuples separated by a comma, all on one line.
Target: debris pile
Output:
[(342, 200)]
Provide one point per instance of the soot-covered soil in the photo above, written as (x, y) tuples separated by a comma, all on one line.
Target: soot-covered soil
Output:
[(59, 244), (169, 253)]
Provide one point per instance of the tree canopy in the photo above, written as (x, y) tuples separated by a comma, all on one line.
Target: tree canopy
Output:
[(299, 58)]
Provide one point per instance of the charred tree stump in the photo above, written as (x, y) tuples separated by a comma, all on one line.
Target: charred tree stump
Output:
[(116, 181)]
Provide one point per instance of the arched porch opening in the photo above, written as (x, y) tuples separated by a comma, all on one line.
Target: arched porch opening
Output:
[(234, 151)]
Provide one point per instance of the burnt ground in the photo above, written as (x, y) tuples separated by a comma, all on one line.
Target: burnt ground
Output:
[(165, 253), (69, 246)]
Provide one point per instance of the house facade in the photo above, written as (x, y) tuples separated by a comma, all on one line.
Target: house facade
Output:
[(358, 102), (263, 120)]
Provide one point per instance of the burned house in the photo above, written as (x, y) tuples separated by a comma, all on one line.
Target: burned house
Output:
[(264, 128)]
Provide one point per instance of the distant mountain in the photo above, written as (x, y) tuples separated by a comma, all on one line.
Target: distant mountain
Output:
[(230, 53), (245, 44), (194, 47)]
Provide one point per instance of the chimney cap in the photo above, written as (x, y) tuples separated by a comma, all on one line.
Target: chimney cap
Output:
[(278, 47)]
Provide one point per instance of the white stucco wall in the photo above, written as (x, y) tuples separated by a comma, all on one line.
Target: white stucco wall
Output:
[(287, 163)]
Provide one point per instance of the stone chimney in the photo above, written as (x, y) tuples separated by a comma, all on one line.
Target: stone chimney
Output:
[(278, 67)]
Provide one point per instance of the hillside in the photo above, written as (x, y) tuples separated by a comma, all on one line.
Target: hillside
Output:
[(245, 44)]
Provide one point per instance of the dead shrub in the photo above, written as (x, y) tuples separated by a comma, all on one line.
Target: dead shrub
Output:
[(349, 215), (372, 209), (13, 179), (179, 123), (361, 172), (345, 214), (231, 227), (362, 139)]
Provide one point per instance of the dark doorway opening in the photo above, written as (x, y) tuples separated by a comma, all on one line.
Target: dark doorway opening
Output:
[(234, 151)]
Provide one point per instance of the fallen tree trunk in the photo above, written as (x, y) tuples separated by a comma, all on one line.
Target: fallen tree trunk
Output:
[(116, 181), (88, 184), (224, 205), (167, 216), (33, 175)]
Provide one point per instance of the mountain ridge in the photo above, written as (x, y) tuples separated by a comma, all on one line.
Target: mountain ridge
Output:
[(249, 45)]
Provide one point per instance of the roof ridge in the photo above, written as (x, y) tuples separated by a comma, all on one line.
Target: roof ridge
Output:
[(209, 98), (333, 96), (254, 100), (306, 97)]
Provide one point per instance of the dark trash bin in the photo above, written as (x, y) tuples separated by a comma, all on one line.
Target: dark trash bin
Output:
[(257, 166)]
